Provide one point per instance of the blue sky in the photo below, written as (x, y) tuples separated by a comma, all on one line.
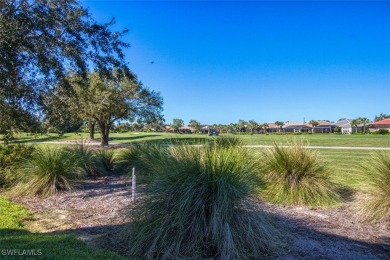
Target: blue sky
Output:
[(219, 62)]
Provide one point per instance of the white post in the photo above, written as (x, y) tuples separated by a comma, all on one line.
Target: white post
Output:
[(133, 183)]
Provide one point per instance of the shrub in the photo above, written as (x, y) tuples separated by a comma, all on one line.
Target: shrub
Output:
[(227, 141), (294, 176), (48, 171), (381, 132), (130, 157), (107, 158), (374, 202), (198, 206), (89, 162), (12, 155)]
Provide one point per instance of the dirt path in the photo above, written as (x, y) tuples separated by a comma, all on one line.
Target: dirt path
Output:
[(98, 212)]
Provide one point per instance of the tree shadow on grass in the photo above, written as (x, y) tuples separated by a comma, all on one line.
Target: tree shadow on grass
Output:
[(138, 140)]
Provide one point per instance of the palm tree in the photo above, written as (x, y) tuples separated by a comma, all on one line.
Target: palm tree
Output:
[(195, 124), (242, 124), (251, 125), (265, 127), (355, 123), (313, 123), (279, 124), (364, 121)]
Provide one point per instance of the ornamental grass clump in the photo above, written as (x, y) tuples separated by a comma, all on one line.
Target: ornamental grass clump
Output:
[(295, 176), (374, 201), (107, 158), (48, 171), (198, 206), (227, 141), (89, 160)]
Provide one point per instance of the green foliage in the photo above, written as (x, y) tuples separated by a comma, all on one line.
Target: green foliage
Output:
[(107, 158), (12, 155), (89, 161), (226, 141), (14, 237), (294, 176), (198, 206), (42, 40), (374, 203), (130, 157), (48, 171), (12, 215), (381, 132), (337, 130), (176, 124)]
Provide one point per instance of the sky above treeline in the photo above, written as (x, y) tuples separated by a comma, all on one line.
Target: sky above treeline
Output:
[(222, 61)]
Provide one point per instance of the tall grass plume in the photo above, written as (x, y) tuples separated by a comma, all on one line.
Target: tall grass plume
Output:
[(374, 202), (198, 206), (48, 171), (295, 176)]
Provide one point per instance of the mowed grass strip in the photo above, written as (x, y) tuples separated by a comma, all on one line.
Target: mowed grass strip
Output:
[(255, 139), (18, 243), (320, 140), (344, 165)]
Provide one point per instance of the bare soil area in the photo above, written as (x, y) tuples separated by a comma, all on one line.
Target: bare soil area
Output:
[(97, 214)]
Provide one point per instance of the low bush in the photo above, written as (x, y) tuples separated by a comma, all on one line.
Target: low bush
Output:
[(11, 156), (89, 161), (199, 206), (107, 158), (374, 202), (381, 132), (48, 171), (294, 176), (129, 158), (227, 141)]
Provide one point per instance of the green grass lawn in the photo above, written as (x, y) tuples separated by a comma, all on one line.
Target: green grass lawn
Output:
[(344, 165), (256, 139), (16, 242), (321, 140)]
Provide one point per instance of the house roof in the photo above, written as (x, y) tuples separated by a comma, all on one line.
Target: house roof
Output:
[(325, 123), (272, 125), (382, 122), (296, 124), (344, 123), (186, 128)]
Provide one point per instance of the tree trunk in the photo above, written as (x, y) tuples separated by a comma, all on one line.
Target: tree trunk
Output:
[(105, 132), (91, 129)]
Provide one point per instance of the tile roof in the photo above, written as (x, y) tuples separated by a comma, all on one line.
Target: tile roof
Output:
[(382, 122)]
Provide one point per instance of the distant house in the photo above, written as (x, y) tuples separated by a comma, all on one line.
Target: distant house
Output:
[(186, 130), (383, 124), (296, 127), (324, 127), (347, 127), (168, 129), (272, 128)]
